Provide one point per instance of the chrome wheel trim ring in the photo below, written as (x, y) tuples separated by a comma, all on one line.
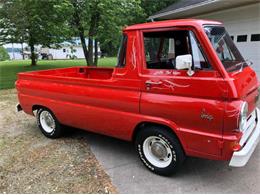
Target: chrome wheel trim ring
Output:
[(157, 151), (47, 121)]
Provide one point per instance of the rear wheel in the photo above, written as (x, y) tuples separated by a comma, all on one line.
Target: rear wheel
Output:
[(48, 123), (159, 150)]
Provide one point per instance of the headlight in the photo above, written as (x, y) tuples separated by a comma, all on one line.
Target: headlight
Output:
[(243, 116)]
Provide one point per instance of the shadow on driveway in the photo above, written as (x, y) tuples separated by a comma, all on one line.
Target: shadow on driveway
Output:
[(196, 175)]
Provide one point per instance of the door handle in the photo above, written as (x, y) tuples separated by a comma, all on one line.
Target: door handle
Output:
[(149, 82)]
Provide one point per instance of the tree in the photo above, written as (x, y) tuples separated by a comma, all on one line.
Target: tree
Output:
[(115, 17), (34, 22), (78, 25), (118, 14), (84, 22), (3, 54), (101, 21), (150, 7)]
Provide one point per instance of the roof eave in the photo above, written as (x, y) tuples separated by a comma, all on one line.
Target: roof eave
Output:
[(186, 8)]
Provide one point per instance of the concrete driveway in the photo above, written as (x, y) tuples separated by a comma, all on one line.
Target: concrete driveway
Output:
[(197, 175)]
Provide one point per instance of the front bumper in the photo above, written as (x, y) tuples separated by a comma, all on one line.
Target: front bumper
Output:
[(241, 157)]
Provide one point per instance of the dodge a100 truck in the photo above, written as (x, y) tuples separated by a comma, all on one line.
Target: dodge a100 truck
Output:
[(180, 88)]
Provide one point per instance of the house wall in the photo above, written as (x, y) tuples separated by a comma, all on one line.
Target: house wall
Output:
[(13, 50), (242, 21), (63, 52)]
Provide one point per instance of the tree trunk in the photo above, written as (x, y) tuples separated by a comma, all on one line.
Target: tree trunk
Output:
[(84, 46), (96, 53), (33, 56), (79, 27), (95, 17), (22, 51), (90, 51)]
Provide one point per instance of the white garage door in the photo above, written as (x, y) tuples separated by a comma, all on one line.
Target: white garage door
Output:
[(243, 24), (247, 38), (249, 46)]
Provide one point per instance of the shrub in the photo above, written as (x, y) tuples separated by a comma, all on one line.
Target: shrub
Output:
[(3, 54)]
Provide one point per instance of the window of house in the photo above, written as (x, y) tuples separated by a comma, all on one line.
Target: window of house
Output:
[(241, 38), (121, 56), (162, 48), (64, 50), (255, 37), (232, 37)]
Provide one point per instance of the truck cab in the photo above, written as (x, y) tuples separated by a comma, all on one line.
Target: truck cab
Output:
[(180, 88)]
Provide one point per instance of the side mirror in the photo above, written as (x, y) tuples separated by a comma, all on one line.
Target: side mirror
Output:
[(184, 62)]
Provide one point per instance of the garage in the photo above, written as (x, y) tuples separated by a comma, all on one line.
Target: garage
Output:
[(241, 19)]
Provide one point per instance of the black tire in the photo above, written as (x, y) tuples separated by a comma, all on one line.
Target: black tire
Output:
[(172, 148), (49, 132)]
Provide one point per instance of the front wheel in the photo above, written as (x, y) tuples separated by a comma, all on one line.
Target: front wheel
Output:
[(159, 150), (48, 123)]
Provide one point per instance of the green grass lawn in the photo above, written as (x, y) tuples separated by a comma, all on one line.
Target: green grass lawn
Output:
[(9, 69)]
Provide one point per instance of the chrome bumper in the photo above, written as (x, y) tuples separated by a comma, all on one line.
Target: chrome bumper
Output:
[(240, 158)]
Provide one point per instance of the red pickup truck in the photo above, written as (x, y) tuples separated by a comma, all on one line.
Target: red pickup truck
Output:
[(180, 88)]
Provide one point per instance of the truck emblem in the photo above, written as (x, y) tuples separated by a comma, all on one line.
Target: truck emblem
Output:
[(205, 115)]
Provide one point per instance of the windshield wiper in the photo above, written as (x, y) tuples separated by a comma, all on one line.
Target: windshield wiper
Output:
[(247, 62)]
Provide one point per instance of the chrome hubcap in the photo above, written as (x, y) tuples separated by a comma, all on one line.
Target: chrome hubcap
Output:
[(47, 121), (157, 151)]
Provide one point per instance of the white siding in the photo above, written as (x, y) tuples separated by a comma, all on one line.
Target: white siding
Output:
[(63, 52)]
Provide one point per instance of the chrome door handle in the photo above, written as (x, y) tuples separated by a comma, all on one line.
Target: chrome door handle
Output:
[(149, 82)]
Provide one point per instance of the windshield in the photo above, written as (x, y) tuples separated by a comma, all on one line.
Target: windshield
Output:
[(226, 50)]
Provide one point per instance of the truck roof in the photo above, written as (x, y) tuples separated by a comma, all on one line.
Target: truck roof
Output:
[(169, 23)]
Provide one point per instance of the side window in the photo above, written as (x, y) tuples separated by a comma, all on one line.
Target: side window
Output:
[(199, 60), (223, 51), (121, 56), (161, 48)]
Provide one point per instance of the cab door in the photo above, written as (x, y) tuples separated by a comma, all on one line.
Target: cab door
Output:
[(194, 103)]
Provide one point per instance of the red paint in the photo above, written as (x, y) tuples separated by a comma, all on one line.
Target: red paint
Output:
[(114, 101)]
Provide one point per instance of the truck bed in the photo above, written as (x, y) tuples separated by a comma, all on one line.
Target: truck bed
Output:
[(73, 72)]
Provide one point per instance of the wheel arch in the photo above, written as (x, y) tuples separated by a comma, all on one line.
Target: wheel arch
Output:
[(38, 106), (168, 128)]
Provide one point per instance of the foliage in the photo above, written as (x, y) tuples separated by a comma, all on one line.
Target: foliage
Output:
[(150, 7), (3, 54), (114, 18), (101, 20), (49, 22), (34, 22), (118, 14)]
